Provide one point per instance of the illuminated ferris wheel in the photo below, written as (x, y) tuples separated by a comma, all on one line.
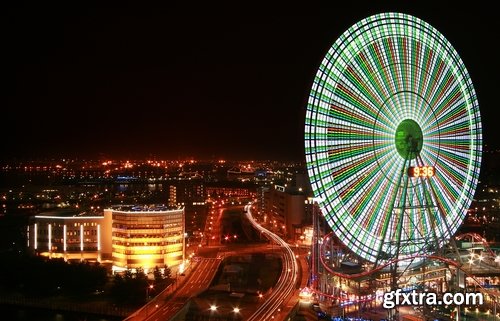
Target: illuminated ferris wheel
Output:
[(393, 138)]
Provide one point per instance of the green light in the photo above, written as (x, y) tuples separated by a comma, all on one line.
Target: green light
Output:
[(409, 139), (390, 86)]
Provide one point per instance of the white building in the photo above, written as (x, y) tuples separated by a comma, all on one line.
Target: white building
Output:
[(126, 236)]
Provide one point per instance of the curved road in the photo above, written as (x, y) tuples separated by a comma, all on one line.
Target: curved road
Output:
[(285, 286), (198, 281)]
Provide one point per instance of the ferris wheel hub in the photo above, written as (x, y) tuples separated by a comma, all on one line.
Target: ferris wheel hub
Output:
[(409, 139)]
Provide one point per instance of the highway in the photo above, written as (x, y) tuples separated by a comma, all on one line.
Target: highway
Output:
[(285, 286), (197, 281), (203, 272)]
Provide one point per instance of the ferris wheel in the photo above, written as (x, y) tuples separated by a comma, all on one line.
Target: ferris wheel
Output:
[(393, 138)]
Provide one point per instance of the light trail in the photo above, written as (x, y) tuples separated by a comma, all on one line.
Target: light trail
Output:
[(475, 236), (285, 286), (451, 262)]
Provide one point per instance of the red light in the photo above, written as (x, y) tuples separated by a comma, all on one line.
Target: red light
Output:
[(421, 171)]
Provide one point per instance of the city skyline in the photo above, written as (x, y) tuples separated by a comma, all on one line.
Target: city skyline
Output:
[(154, 164), (178, 82)]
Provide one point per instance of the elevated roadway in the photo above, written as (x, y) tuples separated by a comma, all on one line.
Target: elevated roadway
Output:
[(285, 288)]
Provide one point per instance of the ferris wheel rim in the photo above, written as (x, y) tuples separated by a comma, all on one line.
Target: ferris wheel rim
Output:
[(438, 132)]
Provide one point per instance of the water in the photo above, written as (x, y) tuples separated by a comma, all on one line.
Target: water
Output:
[(13, 313)]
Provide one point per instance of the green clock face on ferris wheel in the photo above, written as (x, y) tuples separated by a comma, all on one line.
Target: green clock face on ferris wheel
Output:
[(392, 96)]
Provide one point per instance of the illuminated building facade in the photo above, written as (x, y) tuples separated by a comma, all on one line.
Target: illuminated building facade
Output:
[(230, 189), (146, 237), (184, 192), (284, 208), (71, 237), (125, 236)]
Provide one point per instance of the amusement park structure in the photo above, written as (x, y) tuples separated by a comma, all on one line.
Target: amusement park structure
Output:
[(393, 148)]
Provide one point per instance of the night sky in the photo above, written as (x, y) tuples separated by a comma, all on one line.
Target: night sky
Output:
[(205, 82)]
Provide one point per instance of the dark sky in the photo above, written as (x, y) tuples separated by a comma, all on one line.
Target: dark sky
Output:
[(180, 81)]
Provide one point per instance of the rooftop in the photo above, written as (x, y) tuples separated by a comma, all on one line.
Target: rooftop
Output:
[(67, 213), (144, 208)]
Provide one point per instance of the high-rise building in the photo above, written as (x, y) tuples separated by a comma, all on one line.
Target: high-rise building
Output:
[(284, 209), (186, 192)]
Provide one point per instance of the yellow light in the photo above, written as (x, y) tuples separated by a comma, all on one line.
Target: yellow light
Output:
[(36, 236), (81, 237), (50, 238), (64, 237), (98, 236)]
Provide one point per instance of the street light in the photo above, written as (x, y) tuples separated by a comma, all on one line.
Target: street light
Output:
[(150, 287)]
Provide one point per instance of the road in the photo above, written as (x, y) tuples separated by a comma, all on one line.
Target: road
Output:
[(272, 306), (197, 281), (212, 234), (212, 227), (200, 278)]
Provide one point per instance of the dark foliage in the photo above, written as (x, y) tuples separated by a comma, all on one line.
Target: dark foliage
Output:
[(130, 288), (40, 276)]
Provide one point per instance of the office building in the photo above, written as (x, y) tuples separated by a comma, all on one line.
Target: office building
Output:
[(124, 236)]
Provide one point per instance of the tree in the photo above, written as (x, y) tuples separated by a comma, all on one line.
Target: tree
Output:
[(131, 287), (128, 274), (118, 279), (139, 273), (167, 273), (157, 274), (118, 290)]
